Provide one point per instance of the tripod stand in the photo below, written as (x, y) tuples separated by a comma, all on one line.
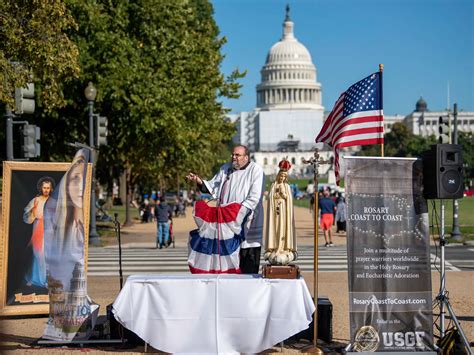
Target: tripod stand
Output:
[(442, 297)]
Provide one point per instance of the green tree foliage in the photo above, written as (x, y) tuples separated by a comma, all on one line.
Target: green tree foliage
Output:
[(179, 102), (34, 33), (466, 140), (156, 67), (400, 142)]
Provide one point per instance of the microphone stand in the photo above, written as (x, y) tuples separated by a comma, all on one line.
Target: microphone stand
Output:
[(117, 232)]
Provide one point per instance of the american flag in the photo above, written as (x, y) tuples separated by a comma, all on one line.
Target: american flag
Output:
[(356, 119)]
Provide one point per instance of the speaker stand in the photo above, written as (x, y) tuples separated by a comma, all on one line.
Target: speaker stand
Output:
[(442, 297)]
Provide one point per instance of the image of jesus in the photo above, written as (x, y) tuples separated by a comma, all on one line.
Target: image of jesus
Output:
[(33, 214)]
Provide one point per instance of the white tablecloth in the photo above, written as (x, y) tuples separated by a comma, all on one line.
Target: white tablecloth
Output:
[(213, 313)]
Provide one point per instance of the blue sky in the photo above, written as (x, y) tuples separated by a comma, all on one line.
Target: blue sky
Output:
[(423, 44)]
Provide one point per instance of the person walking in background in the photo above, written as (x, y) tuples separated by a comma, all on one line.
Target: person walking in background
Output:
[(310, 188), (179, 207), (241, 181), (340, 214), (334, 198), (145, 209), (152, 206), (163, 214), (327, 207), (311, 203), (316, 209)]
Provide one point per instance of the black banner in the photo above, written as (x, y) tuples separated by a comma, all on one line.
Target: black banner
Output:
[(390, 299)]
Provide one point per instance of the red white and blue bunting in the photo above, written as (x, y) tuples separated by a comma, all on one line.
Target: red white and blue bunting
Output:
[(214, 247)]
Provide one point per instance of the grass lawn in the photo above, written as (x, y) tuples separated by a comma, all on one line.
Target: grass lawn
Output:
[(466, 215), (106, 229), (120, 210), (304, 202), (301, 183)]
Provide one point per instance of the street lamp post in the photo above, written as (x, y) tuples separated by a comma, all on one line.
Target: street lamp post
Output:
[(91, 93), (9, 135), (456, 232)]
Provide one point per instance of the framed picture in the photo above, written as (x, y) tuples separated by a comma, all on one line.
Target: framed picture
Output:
[(26, 187)]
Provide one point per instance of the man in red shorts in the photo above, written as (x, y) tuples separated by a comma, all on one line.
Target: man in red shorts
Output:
[(327, 207)]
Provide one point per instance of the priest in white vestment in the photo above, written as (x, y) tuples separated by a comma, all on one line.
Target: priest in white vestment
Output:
[(241, 181)]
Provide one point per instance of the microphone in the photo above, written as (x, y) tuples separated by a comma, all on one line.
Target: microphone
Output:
[(223, 188), (228, 173)]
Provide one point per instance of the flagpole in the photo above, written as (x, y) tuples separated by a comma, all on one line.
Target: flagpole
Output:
[(381, 104), (330, 135)]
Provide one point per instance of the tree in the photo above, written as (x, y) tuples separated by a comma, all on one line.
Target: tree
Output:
[(156, 67), (34, 41), (466, 140), (400, 142)]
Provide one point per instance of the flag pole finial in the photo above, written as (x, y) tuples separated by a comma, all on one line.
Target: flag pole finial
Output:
[(381, 67)]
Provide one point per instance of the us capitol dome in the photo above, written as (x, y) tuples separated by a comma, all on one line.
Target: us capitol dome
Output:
[(289, 112), (288, 78)]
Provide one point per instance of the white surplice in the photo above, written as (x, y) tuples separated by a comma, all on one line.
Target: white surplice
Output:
[(244, 186)]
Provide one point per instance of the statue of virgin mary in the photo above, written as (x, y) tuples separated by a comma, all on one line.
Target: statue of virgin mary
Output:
[(280, 236)]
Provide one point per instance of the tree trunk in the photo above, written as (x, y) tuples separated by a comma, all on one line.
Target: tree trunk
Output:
[(162, 186), (109, 202), (177, 183), (128, 174), (123, 187)]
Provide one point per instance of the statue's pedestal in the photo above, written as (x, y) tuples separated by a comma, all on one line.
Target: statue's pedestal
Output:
[(281, 272)]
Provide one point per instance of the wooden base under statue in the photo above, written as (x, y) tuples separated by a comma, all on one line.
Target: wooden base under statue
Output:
[(281, 272)]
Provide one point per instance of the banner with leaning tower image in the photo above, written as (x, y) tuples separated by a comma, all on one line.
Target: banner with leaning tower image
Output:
[(72, 314), (388, 255)]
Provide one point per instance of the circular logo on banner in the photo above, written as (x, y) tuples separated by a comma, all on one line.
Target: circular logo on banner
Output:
[(366, 339)]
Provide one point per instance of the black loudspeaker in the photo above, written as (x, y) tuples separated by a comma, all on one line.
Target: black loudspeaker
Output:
[(117, 331), (443, 172), (324, 323)]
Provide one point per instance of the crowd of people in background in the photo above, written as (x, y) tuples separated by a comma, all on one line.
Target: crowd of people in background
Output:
[(178, 205), (162, 209), (331, 210)]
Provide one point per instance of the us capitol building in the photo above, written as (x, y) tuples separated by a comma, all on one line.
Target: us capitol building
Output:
[(289, 112)]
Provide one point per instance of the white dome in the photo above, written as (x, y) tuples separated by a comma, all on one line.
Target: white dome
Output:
[(289, 75), (286, 52)]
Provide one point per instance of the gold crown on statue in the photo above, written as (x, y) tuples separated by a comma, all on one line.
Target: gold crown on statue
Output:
[(284, 165)]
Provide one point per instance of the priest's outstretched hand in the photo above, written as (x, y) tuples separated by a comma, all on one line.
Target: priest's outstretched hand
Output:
[(194, 177)]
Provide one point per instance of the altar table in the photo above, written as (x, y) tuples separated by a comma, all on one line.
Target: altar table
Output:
[(213, 313)]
